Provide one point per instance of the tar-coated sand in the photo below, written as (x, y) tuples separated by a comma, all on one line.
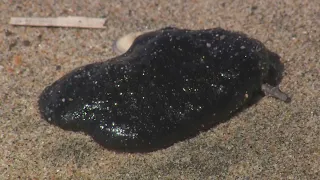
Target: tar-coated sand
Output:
[(269, 140)]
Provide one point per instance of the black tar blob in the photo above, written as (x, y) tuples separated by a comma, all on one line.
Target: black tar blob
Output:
[(170, 85)]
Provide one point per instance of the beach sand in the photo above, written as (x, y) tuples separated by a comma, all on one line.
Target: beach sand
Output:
[(269, 140)]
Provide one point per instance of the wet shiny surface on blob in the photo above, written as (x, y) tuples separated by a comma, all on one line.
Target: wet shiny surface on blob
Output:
[(168, 86)]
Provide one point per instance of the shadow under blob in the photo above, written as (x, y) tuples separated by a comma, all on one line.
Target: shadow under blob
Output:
[(169, 86)]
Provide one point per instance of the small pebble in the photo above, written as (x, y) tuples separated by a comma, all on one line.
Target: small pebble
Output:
[(8, 33), (26, 43)]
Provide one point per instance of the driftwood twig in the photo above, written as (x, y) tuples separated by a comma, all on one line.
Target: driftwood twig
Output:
[(70, 21)]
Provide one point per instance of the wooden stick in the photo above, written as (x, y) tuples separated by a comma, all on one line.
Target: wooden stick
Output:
[(70, 21)]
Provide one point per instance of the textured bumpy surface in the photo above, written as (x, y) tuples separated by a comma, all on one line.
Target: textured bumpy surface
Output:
[(168, 86)]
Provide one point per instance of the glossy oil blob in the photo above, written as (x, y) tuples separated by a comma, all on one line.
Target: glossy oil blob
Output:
[(171, 84)]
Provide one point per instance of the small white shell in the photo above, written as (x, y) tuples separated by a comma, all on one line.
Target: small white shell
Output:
[(121, 45)]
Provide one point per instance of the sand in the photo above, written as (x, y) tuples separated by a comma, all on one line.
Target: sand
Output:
[(269, 140)]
